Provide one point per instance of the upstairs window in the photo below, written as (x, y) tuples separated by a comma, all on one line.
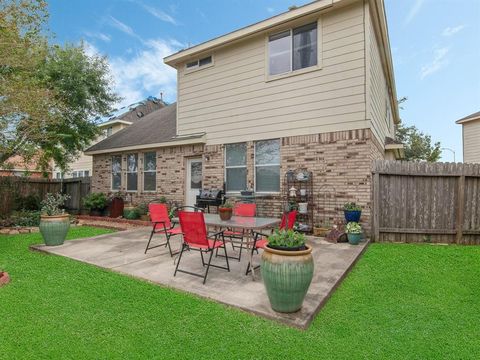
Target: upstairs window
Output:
[(236, 167), (199, 63), (293, 49)]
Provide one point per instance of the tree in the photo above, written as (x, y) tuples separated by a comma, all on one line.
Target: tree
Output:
[(50, 95), (418, 146)]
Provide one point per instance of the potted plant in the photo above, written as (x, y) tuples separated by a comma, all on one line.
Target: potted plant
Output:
[(352, 212), (322, 229), (354, 232), (96, 203), (226, 210), (287, 270), (54, 222)]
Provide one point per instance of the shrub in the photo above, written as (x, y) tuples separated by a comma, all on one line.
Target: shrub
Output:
[(286, 239), (131, 214), (53, 203), (95, 201), (351, 206), (353, 228), (25, 218), (30, 202), (142, 208)]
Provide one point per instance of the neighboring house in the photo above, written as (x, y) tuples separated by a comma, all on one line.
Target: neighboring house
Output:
[(471, 137), (310, 88), (120, 119), (16, 166)]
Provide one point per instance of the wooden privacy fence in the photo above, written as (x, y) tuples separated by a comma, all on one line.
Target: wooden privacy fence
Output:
[(12, 187), (426, 202)]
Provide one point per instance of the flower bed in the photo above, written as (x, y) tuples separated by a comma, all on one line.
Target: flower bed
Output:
[(111, 223)]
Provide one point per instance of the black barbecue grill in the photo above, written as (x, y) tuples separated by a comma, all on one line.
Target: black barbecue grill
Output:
[(208, 198)]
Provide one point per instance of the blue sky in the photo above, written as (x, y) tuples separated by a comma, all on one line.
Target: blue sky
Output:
[(435, 46)]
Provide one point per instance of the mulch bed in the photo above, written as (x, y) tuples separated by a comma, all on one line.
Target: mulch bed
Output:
[(110, 223)]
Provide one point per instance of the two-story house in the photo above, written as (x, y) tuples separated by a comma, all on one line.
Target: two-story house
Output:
[(470, 137), (310, 88)]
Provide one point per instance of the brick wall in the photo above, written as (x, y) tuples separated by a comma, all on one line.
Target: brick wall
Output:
[(340, 162)]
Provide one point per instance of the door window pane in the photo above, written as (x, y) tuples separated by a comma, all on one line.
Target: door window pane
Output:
[(195, 175), (116, 172), (279, 50), (305, 46)]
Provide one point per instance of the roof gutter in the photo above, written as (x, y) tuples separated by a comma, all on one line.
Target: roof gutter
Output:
[(242, 33), (185, 141), (467, 120)]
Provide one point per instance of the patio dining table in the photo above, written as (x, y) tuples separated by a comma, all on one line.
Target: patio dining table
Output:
[(249, 224)]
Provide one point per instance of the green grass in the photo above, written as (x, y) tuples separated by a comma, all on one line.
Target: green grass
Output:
[(400, 301)]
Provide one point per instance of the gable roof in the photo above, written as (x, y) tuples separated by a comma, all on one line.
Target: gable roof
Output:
[(471, 117), (157, 129)]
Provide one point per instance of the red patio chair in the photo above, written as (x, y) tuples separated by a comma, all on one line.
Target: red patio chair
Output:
[(240, 209), (161, 224), (195, 237), (260, 243)]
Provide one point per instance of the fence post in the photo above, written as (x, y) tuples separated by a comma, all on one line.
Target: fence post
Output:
[(376, 207), (460, 208)]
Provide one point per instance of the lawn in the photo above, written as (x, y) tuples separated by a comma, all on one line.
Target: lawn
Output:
[(400, 301)]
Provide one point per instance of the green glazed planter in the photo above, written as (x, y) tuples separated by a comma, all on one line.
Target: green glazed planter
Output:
[(354, 239), (54, 229), (287, 276)]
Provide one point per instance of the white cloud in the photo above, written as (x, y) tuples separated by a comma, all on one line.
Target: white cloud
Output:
[(98, 35), (450, 31), (121, 26), (439, 61), (417, 5), (145, 73), (90, 49), (159, 14)]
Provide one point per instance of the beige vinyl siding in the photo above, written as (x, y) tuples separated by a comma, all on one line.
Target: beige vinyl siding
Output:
[(234, 97), (471, 141), (380, 110)]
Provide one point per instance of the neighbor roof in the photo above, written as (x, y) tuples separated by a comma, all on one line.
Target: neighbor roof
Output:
[(474, 116), (156, 129)]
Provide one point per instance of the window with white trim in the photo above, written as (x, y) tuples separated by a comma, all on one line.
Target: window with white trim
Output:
[(267, 165), (150, 171), (293, 49), (199, 63), (132, 172), (236, 167), (116, 172)]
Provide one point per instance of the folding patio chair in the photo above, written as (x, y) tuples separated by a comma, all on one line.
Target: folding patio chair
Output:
[(287, 223), (161, 224), (240, 209), (195, 237)]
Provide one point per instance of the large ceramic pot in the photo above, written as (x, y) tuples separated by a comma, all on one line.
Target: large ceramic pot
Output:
[(287, 276), (354, 239), (225, 213), (54, 229), (352, 215)]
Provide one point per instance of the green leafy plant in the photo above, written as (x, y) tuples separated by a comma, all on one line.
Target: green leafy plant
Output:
[(353, 228), (29, 202), (286, 239), (142, 208), (131, 214), (351, 206), (52, 205), (118, 195), (25, 218), (228, 204), (95, 201), (162, 200)]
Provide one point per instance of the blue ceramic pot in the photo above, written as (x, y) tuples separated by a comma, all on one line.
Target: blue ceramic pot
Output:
[(352, 216)]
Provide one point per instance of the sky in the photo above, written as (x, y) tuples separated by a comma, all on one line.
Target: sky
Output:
[(435, 47)]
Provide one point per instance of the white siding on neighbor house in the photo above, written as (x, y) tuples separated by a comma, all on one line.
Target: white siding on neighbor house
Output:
[(380, 108), (471, 141), (233, 101)]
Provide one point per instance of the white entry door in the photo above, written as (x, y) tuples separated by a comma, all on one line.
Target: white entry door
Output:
[(193, 180)]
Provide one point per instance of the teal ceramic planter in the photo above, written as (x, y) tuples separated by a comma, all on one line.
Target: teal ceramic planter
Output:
[(54, 229), (354, 239), (287, 276)]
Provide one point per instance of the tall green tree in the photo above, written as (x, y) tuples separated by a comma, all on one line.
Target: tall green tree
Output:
[(49, 95), (418, 145)]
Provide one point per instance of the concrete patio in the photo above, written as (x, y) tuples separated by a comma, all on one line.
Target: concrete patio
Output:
[(123, 252)]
